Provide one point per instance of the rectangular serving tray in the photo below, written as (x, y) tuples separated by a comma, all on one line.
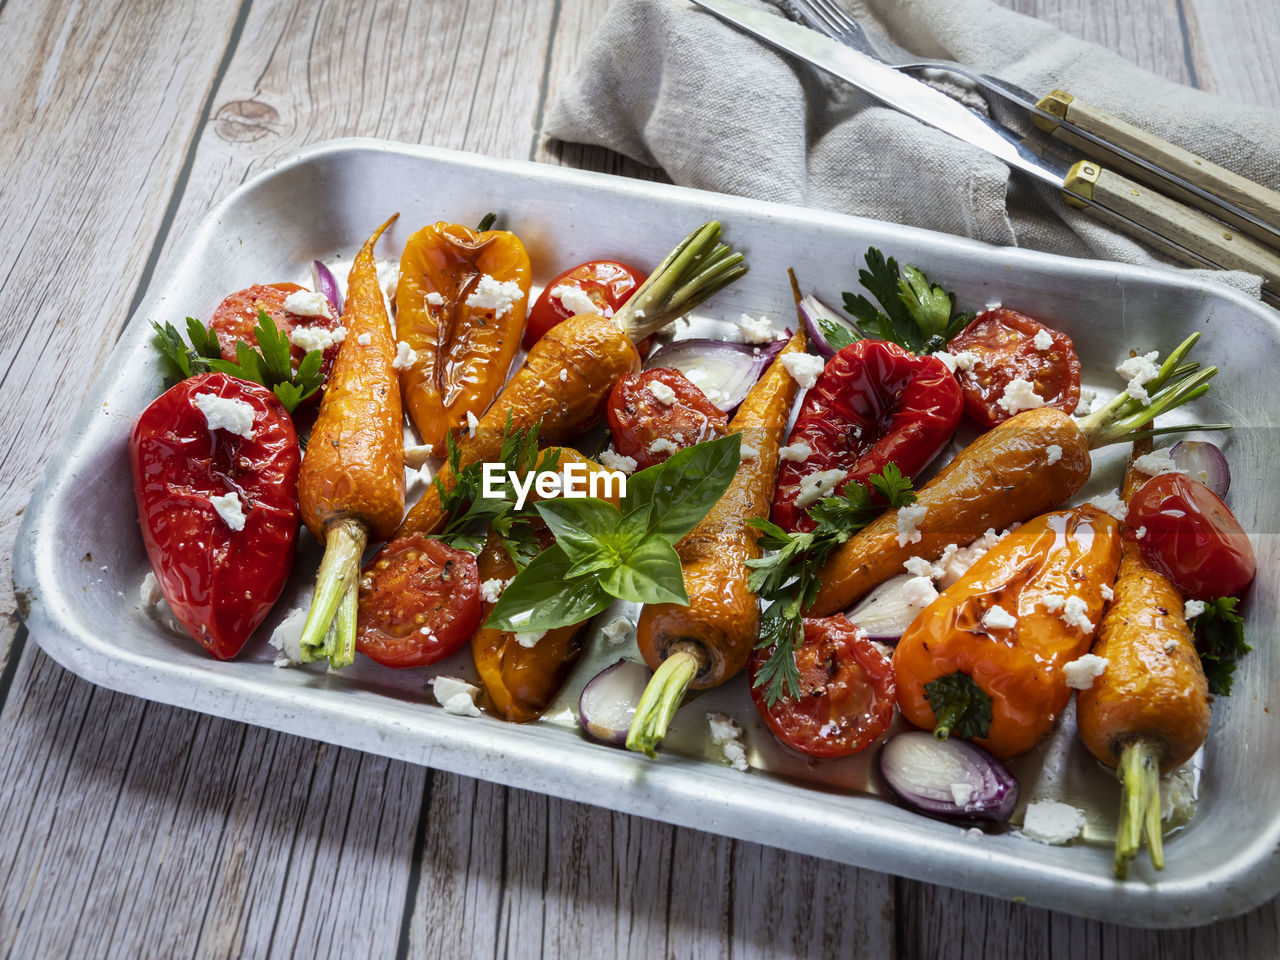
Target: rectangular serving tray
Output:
[(80, 560)]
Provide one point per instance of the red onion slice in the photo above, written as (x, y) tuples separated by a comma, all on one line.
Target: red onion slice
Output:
[(724, 371), (327, 285), (885, 613), (1203, 461), (608, 702), (828, 331), (948, 778)]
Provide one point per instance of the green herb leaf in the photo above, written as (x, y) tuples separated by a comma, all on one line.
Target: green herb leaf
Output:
[(783, 630), (960, 707), (541, 597), (580, 526), (1219, 634), (838, 335), (177, 359), (914, 313), (203, 339), (651, 573), (686, 486)]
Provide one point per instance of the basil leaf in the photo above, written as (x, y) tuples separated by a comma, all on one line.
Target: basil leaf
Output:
[(581, 525), (542, 597), (690, 484), (651, 573)]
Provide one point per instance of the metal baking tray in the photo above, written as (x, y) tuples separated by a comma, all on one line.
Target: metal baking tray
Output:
[(80, 559)]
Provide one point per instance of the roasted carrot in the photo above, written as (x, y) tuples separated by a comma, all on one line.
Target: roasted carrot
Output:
[(1005, 476), (351, 485), (1149, 711), (454, 312), (705, 643)]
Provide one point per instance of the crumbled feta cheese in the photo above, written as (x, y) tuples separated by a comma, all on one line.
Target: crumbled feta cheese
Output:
[(909, 518), (1155, 463), (613, 460), (435, 299), (364, 339), (1110, 503), (1053, 602), (530, 640), (1140, 533), (919, 592), (304, 303), (728, 735), (229, 509), (406, 356), (918, 567), (798, 452), (226, 413), (472, 423), (1081, 673), (618, 631), (748, 452), (962, 361), (1087, 399), (661, 392), (456, 696), (287, 637), (1192, 609), (818, 485), (663, 445), (993, 305), (998, 618), (803, 367), (491, 590), (575, 300), (1043, 340), (1140, 371), (1074, 615), (316, 338), (415, 454), (564, 374), (415, 480), (389, 275), (1048, 821), (956, 560), (1053, 453), (498, 296), (151, 598), (961, 794), (1107, 593), (756, 330), (1019, 395)]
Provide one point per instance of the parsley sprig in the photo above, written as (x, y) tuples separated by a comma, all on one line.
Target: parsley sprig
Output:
[(913, 312), (788, 578), (268, 364), (1219, 633)]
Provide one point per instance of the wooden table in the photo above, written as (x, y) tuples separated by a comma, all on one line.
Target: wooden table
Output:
[(136, 830)]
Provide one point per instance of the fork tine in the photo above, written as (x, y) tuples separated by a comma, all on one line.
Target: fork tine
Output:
[(818, 16), (849, 29)]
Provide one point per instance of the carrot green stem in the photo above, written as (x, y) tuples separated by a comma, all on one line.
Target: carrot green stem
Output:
[(698, 267), (661, 699), (1176, 383), (334, 602), (1139, 806)]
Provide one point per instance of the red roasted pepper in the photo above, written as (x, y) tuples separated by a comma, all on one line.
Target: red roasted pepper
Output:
[(873, 404), (220, 581)]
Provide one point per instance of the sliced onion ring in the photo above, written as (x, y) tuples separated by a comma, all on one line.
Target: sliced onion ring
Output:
[(327, 284), (1203, 461), (608, 702), (948, 778), (816, 315), (724, 371), (884, 613)]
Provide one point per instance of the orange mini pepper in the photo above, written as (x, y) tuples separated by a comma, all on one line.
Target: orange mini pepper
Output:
[(996, 676), (456, 310)]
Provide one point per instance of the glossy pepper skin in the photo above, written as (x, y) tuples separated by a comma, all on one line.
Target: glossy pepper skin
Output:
[(1069, 553), (874, 403), (219, 582), (463, 351)]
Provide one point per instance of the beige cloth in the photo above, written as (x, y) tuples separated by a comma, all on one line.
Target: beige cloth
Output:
[(670, 86)]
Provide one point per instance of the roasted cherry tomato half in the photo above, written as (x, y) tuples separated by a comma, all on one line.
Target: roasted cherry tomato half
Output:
[(608, 283), (1191, 536), (237, 315), (419, 602), (846, 692), (873, 404), (1004, 344), (221, 563), (650, 430)]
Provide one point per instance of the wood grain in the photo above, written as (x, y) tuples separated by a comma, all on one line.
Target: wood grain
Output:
[(133, 829)]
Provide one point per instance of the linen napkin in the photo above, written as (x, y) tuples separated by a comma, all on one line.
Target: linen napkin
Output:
[(670, 86)]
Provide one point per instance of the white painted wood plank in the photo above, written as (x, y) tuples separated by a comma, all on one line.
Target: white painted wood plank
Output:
[(1233, 47)]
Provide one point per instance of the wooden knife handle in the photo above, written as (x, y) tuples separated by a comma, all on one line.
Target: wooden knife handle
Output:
[(1185, 227), (1231, 187)]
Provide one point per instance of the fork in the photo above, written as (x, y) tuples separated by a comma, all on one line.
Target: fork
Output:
[(1248, 206)]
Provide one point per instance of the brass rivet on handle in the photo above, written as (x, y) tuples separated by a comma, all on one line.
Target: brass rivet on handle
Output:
[(1227, 236)]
